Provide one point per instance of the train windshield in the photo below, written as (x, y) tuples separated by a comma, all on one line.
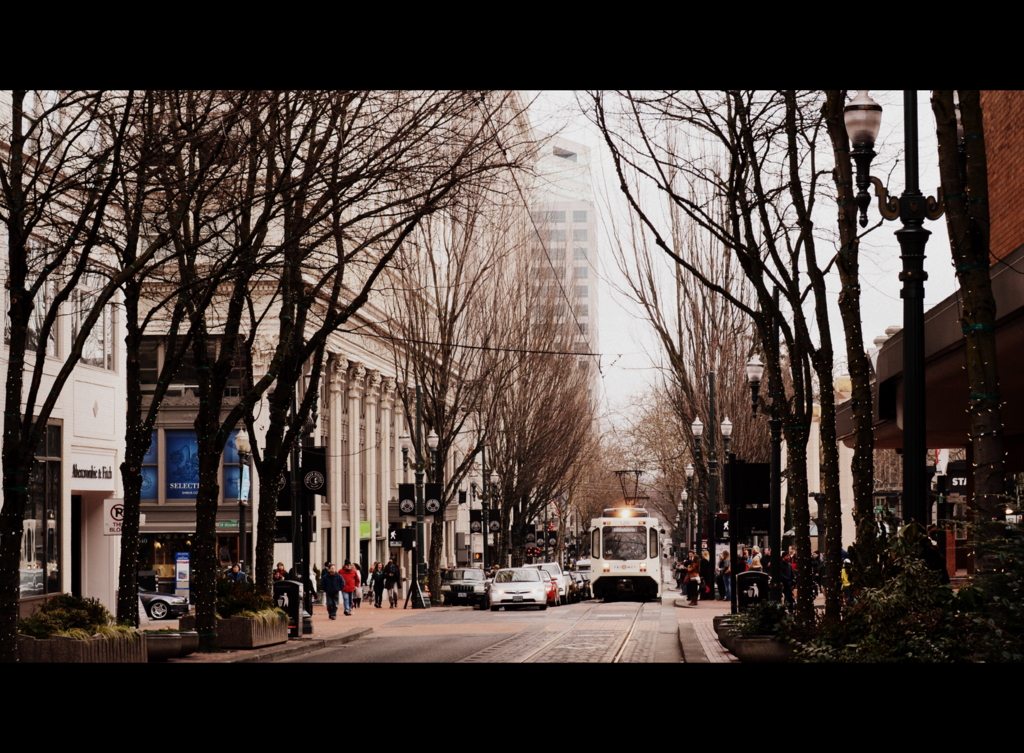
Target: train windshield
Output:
[(625, 543)]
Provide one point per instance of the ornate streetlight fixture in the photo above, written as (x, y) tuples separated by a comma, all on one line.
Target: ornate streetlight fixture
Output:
[(863, 117)]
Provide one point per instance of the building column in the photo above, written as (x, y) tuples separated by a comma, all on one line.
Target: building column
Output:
[(356, 384), (337, 381), (373, 383), (387, 401)]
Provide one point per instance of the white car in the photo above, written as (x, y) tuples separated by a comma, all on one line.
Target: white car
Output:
[(517, 587)]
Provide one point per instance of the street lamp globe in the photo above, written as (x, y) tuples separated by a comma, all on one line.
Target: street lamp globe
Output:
[(405, 441), (242, 442), (689, 472), (755, 369), (726, 427), (863, 119), (697, 427), (432, 439)]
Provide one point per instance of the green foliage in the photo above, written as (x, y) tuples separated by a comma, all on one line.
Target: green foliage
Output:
[(67, 615), (995, 598), (910, 618), (767, 617), (234, 598)]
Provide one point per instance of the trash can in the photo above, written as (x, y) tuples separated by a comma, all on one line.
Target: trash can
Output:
[(751, 587), (288, 597)]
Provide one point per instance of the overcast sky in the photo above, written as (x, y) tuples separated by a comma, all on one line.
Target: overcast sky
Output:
[(629, 350)]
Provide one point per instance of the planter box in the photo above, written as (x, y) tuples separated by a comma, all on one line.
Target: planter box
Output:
[(119, 650), (163, 646), (245, 632), (760, 649)]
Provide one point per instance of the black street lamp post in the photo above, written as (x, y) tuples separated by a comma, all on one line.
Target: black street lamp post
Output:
[(863, 117), (755, 370)]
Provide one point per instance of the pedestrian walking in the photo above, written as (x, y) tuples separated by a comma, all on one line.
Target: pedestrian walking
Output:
[(349, 575), (692, 579), (392, 576), (376, 581), (725, 573), (357, 595), (331, 584)]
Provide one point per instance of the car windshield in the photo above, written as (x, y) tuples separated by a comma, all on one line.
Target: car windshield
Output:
[(625, 543), (464, 575), (517, 576)]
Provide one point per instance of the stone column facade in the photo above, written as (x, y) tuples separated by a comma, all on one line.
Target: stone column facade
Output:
[(372, 447), (337, 383), (356, 385)]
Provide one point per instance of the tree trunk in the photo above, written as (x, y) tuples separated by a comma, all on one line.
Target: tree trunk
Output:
[(964, 177)]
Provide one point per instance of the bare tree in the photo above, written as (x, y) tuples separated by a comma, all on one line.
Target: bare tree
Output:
[(755, 153), (62, 154)]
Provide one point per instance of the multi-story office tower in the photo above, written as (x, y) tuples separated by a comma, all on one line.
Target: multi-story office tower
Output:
[(565, 219)]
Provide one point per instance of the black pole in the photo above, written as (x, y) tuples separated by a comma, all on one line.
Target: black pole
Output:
[(775, 499), (485, 503), (729, 486), (712, 470), (420, 534), (912, 239)]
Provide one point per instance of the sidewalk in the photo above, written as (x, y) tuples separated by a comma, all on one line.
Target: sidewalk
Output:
[(326, 633), (697, 636)]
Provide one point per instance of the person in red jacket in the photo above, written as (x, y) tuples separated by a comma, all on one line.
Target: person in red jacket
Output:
[(351, 578)]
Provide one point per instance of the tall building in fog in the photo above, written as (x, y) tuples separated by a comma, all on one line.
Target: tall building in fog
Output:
[(565, 218)]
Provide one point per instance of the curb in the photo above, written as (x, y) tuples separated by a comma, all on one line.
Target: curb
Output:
[(294, 647)]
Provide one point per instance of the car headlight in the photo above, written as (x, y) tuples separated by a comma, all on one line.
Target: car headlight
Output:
[(479, 588), (445, 588)]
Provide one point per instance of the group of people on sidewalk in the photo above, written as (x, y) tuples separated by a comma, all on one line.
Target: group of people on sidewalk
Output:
[(348, 583), (701, 580)]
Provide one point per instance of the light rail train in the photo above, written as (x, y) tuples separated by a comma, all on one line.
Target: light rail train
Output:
[(625, 554)]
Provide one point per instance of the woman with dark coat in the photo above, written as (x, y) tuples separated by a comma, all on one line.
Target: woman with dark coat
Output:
[(693, 579), (376, 582)]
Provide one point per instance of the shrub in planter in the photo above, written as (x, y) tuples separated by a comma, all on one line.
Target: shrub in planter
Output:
[(234, 598), (70, 629)]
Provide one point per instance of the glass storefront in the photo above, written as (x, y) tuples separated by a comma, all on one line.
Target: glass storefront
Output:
[(40, 538)]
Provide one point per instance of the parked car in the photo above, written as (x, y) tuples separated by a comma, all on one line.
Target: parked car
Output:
[(163, 606), (563, 580), (463, 586), (552, 582), (518, 587), (583, 584)]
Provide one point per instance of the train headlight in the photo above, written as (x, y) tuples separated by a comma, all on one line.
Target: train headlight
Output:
[(607, 567)]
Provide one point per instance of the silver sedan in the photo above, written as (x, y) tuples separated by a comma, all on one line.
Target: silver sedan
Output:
[(517, 587)]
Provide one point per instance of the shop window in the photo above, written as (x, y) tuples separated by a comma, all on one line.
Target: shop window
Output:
[(40, 539)]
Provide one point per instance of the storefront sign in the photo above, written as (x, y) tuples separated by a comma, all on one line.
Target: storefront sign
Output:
[(182, 465), (92, 469)]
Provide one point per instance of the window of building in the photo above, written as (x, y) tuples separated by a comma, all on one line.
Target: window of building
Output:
[(582, 291), (43, 303), (548, 216), (579, 235), (557, 253), (579, 253), (579, 216), (100, 343), (584, 327), (582, 309), (152, 353), (556, 236), (582, 273), (40, 540)]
